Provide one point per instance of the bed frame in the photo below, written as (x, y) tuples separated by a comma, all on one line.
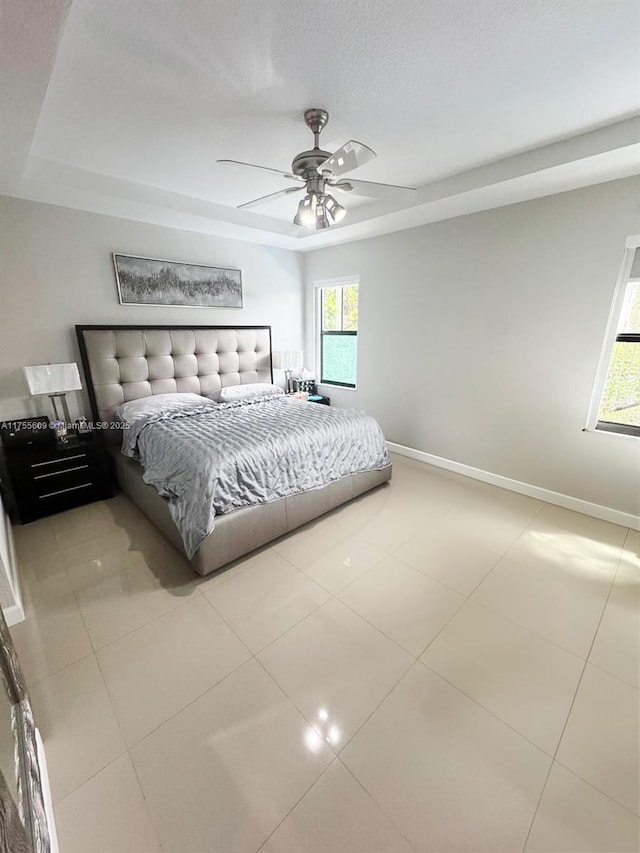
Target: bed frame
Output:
[(123, 363)]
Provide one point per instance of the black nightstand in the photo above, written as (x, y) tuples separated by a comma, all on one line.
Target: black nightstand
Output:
[(49, 478), (324, 401)]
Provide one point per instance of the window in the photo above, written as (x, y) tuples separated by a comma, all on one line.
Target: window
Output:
[(618, 390), (338, 338)]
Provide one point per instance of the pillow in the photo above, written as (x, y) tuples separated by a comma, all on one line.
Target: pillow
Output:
[(158, 404), (245, 392)]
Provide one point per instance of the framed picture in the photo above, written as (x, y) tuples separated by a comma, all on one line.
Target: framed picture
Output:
[(146, 281)]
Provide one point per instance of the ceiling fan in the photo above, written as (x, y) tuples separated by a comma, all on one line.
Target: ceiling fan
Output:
[(317, 170)]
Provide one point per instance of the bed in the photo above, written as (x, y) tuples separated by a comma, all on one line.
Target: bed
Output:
[(125, 363)]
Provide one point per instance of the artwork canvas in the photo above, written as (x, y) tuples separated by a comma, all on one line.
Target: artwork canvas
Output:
[(145, 281)]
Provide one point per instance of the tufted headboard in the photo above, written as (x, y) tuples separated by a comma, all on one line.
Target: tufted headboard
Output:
[(123, 363)]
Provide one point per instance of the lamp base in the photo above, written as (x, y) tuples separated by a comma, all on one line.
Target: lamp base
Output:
[(66, 417)]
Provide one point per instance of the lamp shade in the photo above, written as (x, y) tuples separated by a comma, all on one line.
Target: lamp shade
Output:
[(288, 359), (52, 378)]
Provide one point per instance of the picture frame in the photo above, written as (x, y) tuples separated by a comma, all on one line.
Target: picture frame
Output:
[(151, 281)]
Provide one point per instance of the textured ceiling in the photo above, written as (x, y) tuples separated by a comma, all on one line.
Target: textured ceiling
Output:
[(151, 93)]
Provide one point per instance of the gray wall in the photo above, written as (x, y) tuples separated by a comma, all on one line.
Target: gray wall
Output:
[(56, 270), (479, 338)]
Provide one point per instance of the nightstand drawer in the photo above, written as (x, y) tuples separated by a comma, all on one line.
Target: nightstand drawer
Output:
[(30, 465), (67, 497), (62, 480), (47, 466)]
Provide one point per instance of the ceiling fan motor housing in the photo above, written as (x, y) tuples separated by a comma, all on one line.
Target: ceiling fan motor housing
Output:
[(306, 163)]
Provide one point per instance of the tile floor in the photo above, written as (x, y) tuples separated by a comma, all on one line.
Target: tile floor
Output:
[(438, 666)]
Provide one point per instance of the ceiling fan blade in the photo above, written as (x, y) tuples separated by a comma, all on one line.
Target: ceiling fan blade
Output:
[(262, 169), (264, 198), (349, 157), (371, 189)]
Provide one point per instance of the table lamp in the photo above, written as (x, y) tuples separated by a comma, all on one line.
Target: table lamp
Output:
[(54, 380), (288, 360)]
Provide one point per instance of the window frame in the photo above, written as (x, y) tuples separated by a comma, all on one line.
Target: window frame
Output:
[(318, 286), (611, 336)]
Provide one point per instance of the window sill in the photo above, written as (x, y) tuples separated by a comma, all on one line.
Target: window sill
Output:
[(336, 387), (611, 432)]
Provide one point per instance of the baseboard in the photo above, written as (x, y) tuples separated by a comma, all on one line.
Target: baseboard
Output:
[(47, 800), (625, 519)]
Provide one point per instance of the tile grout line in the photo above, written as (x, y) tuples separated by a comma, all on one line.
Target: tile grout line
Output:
[(546, 575), (620, 805), (56, 803), (59, 671), (507, 618), (129, 749), (147, 808), (384, 698), (112, 760), (108, 694), (439, 580), (535, 633), (450, 589), (139, 627), (395, 642), (95, 651), (336, 755), (298, 801), (188, 705), (483, 707), (290, 628), (264, 550), (573, 701), (200, 695), (350, 583), (304, 716), (376, 803), (34, 609), (77, 593), (613, 675), (333, 597), (252, 656)]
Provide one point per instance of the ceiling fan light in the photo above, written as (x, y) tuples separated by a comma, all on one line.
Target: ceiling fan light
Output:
[(322, 218), (306, 215), (335, 210)]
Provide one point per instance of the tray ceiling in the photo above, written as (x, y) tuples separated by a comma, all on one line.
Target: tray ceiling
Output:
[(133, 101)]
